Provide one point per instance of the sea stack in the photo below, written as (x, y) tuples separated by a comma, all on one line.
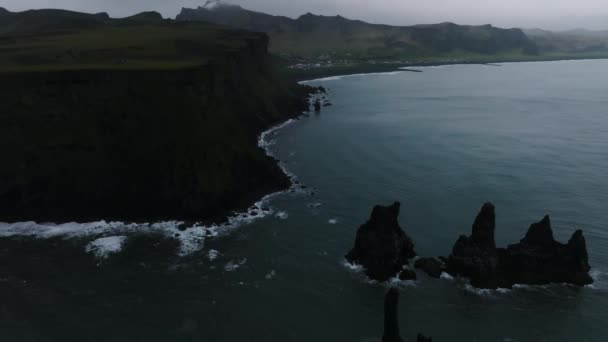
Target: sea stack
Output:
[(391, 317), (476, 257), (422, 338), (381, 246), (536, 260), (317, 106)]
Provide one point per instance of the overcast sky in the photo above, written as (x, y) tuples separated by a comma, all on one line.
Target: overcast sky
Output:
[(550, 14)]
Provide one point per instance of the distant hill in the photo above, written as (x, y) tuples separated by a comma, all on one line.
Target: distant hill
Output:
[(43, 40), (572, 41), (54, 20), (315, 35), (48, 20)]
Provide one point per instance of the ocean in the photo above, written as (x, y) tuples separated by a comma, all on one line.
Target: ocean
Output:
[(532, 138)]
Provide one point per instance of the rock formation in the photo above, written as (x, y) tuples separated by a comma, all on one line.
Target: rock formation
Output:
[(381, 246), (391, 317), (317, 105), (422, 338), (537, 259)]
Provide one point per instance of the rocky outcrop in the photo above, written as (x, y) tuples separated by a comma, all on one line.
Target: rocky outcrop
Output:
[(476, 257), (391, 317), (317, 106), (431, 266), (381, 246), (537, 259)]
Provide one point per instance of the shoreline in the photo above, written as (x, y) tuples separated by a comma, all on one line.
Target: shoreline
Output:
[(191, 234), (370, 69)]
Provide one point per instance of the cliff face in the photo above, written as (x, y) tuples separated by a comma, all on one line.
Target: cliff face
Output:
[(142, 145)]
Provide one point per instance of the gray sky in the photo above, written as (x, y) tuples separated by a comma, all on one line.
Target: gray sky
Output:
[(549, 14)]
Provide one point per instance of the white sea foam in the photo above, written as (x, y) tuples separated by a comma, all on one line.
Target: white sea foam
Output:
[(323, 79), (191, 239), (332, 221), (104, 247), (446, 276), (283, 215), (480, 292), (599, 280), (270, 275), (232, 266), (340, 77), (213, 254), (352, 266), (396, 282)]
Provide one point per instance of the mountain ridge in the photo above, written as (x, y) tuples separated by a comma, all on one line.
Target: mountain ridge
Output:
[(314, 35)]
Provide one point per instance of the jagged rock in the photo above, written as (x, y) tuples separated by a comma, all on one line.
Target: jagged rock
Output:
[(422, 338), (381, 246), (476, 257), (536, 259), (432, 266), (483, 228), (539, 259), (407, 274), (317, 106), (391, 317)]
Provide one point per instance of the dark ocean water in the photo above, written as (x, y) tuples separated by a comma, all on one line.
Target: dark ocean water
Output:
[(530, 137)]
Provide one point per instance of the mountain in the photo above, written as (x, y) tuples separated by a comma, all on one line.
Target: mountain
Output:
[(314, 35), (136, 119)]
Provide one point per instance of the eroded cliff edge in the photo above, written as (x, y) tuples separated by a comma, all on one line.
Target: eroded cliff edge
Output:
[(85, 142)]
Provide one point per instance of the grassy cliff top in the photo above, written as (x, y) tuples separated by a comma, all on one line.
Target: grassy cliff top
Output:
[(52, 40)]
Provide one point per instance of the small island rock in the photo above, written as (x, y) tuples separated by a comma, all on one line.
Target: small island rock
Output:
[(536, 260), (381, 246)]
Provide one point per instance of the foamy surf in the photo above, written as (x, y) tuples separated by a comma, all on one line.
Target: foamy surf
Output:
[(232, 266), (283, 215), (599, 281), (396, 282), (352, 266), (213, 254), (104, 247), (270, 275), (341, 77)]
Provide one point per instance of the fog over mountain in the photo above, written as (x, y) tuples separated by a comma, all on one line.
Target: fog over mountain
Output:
[(547, 14)]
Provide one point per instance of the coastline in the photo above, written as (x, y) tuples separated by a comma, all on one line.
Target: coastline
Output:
[(191, 234), (312, 75)]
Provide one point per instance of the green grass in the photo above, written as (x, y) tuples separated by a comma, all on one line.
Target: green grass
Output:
[(157, 46)]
